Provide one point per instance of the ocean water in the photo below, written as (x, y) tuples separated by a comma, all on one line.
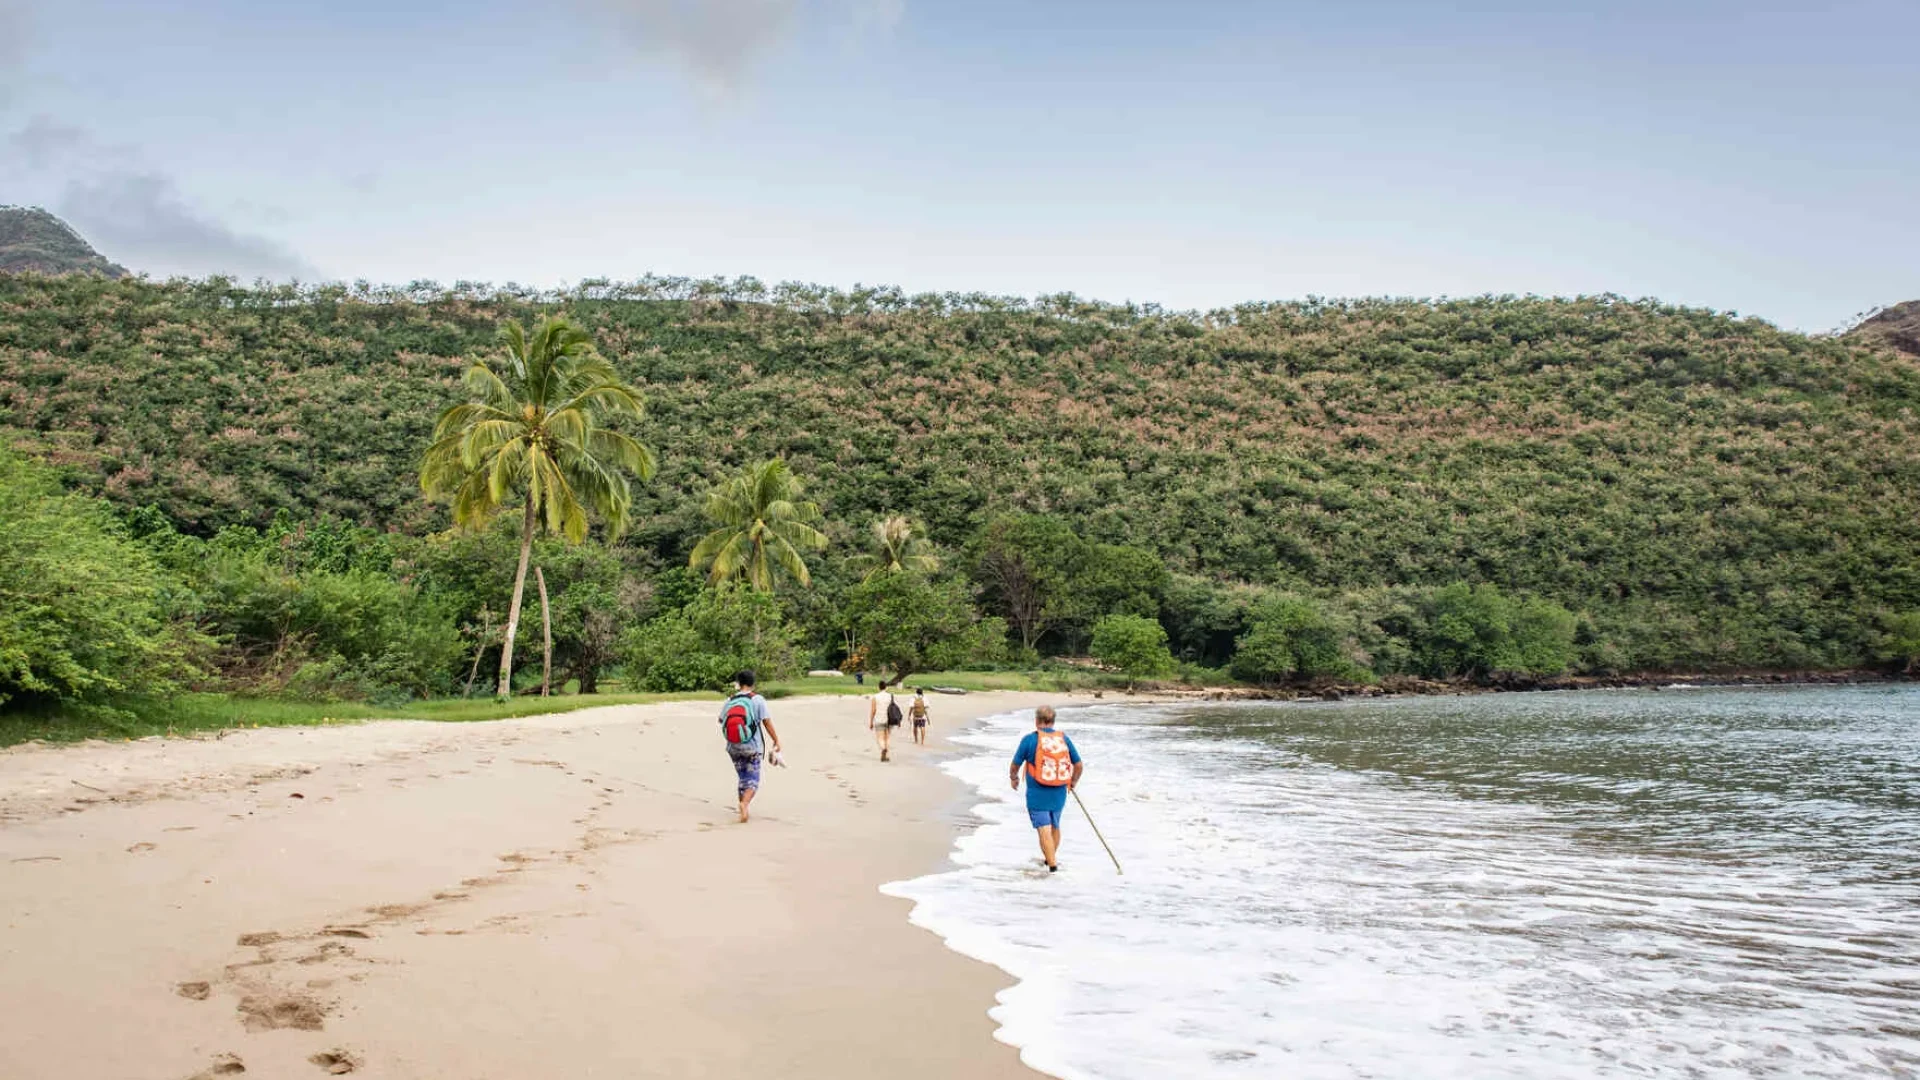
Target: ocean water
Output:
[(1684, 882)]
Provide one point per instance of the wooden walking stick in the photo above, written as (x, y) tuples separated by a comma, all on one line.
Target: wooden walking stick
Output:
[(1096, 831)]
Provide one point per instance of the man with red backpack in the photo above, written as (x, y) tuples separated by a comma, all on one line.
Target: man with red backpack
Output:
[(1053, 768), (741, 719)]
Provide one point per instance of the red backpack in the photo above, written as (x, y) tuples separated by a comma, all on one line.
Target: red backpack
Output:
[(740, 721)]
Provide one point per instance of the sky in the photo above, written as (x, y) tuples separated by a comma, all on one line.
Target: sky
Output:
[(1734, 154)]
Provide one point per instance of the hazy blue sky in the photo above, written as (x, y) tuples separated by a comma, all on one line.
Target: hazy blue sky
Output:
[(1730, 154)]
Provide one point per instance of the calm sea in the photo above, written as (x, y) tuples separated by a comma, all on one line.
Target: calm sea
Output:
[(1672, 883)]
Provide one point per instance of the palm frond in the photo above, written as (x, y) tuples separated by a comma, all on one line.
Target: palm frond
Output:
[(509, 438)]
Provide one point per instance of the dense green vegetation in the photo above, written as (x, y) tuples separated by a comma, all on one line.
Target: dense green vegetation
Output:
[(32, 240), (1291, 491)]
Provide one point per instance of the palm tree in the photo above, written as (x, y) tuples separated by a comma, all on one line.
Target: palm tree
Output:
[(533, 429), (899, 544), (761, 524)]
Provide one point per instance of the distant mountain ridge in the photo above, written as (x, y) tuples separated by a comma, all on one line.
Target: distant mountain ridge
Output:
[(1897, 326), (34, 241)]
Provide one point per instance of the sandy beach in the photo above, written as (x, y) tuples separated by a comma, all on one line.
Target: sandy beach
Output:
[(560, 896)]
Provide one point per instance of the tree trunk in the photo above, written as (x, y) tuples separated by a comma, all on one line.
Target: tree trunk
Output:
[(513, 609), (546, 635), (486, 631)]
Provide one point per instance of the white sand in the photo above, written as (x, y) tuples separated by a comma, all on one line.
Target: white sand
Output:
[(557, 897)]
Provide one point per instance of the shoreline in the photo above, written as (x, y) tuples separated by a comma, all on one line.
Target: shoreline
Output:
[(553, 895), (1407, 686)]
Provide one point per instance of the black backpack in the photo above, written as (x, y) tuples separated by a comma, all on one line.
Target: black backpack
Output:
[(893, 711)]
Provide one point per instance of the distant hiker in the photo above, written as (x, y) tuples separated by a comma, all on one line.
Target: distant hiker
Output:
[(918, 711), (741, 720), (883, 715), (1053, 768)]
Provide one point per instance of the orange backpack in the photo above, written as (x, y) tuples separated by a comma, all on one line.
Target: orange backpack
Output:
[(1052, 764)]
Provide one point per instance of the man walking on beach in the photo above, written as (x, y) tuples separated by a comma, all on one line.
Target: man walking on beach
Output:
[(741, 719), (883, 715), (1053, 768), (918, 713)]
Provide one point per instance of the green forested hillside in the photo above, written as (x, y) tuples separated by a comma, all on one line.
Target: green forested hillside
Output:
[(32, 240), (1699, 489)]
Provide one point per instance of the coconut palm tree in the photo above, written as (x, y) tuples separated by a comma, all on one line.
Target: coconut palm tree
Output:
[(761, 524), (898, 544), (533, 429)]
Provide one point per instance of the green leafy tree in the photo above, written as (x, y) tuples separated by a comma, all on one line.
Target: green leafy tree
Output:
[(1899, 643), (1291, 638), (84, 609), (701, 645), (908, 622), (536, 430), (1024, 566), (1121, 579), (1132, 644), (1468, 632), (899, 545), (761, 524), (1478, 631), (1543, 636)]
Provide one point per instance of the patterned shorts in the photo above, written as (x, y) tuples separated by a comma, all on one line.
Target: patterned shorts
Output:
[(748, 769)]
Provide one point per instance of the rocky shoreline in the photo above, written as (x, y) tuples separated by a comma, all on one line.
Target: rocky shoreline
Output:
[(1411, 686)]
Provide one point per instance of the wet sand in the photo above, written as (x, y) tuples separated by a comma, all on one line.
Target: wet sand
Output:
[(562, 896)]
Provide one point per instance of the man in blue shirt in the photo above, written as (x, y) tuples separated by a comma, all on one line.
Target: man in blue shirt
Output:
[(746, 754), (1053, 768)]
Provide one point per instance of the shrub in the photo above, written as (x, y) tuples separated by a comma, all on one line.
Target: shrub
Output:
[(1291, 638), (83, 607), (701, 645), (1132, 644), (1899, 642), (906, 622), (1478, 631)]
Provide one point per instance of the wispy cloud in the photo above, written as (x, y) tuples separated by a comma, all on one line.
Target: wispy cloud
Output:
[(138, 216), (141, 219), (720, 42), (45, 143)]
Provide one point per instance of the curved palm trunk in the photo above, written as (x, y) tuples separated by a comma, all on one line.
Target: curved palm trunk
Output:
[(546, 634), (513, 609)]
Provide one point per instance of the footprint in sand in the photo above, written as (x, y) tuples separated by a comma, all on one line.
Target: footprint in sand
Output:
[(328, 950), (335, 1062), (271, 1013), (224, 1065), (195, 991), (140, 847)]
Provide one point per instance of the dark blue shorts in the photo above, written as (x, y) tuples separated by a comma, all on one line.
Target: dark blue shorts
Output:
[(1044, 819), (748, 769)]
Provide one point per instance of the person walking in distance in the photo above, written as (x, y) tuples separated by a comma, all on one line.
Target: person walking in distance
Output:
[(742, 719), (918, 712), (883, 715), (1053, 768)]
